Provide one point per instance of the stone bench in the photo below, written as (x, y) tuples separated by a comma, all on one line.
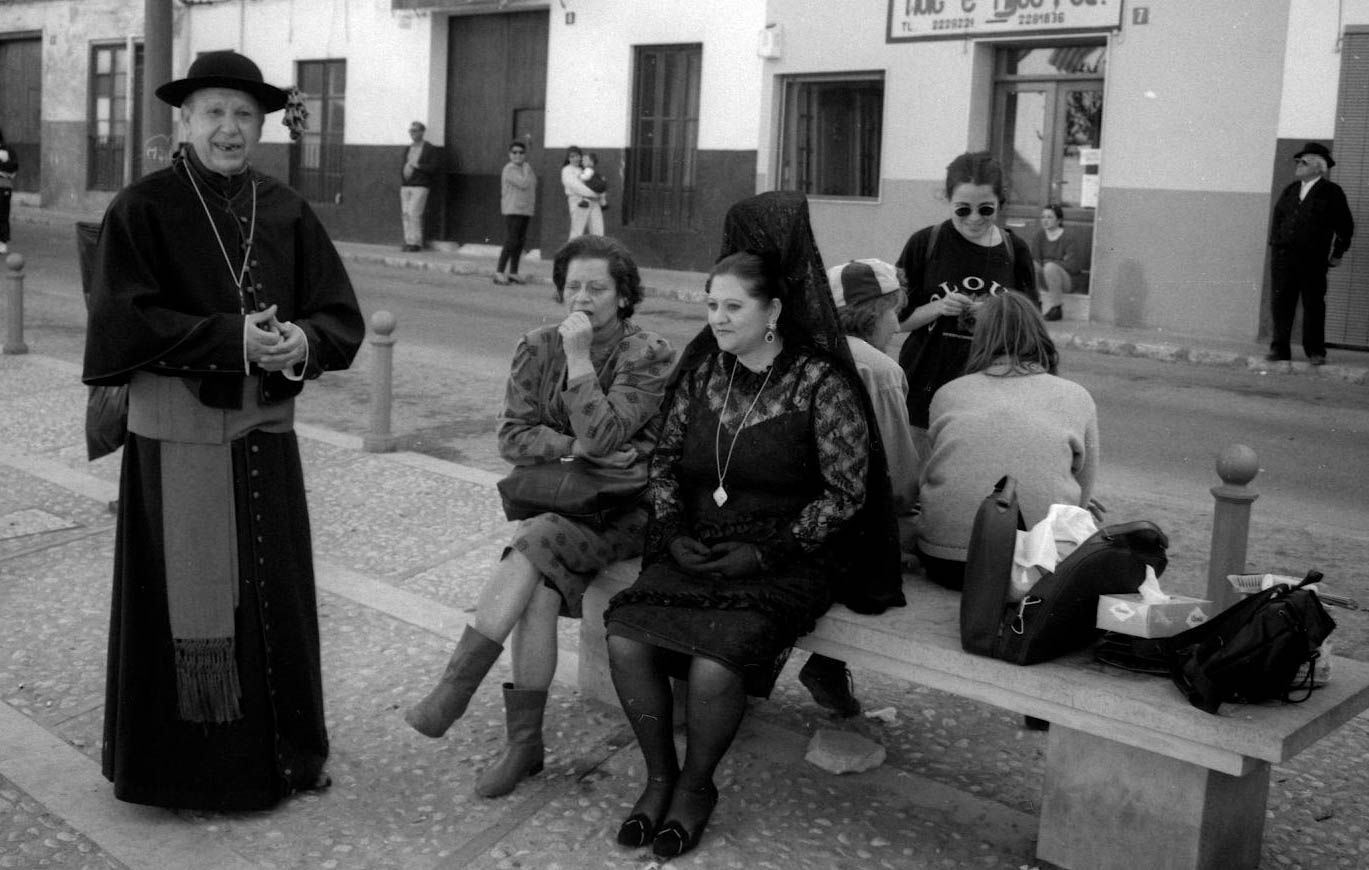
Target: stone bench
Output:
[(1135, 777)]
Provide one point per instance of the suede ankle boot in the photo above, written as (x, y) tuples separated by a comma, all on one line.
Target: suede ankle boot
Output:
[(522, 756), (475, 655)]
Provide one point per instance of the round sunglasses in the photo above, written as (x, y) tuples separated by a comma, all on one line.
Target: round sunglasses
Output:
[(985, 210)]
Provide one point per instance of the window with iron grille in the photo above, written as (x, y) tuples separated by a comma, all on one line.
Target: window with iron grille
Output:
[(110, 118), (830, 134), (316, 157), (663, 157)]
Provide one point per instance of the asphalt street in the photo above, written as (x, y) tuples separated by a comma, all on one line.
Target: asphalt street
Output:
[(405, 540)]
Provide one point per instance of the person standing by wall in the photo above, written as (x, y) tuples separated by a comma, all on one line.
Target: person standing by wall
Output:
[(950, 269), (583, 202), (517, 202), (1309, 232), (8, 167), (215, 294), (417, 175)]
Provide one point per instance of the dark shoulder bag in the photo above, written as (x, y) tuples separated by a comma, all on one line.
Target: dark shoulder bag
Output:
[(988, 568), (572, 487)]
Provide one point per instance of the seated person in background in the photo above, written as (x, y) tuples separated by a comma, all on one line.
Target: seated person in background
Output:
[(1057, 258), (1009, 414), (868, 298)]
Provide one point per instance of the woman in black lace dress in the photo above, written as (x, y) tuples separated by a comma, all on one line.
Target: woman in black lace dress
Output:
[(767, 496)]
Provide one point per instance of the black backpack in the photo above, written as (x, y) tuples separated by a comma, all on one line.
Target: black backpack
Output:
[(1253, 650), (1059, 614)]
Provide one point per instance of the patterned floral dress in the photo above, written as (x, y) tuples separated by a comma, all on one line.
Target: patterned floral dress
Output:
[(796, 475), (544, 413)]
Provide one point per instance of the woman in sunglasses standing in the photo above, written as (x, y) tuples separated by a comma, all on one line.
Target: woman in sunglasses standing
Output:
[(949, 270)]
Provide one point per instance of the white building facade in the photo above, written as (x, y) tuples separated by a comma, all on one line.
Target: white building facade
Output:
[(1164, 129)]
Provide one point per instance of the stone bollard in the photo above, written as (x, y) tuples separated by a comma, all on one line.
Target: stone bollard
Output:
[(14, 305), (1236, 466), (379, 439)]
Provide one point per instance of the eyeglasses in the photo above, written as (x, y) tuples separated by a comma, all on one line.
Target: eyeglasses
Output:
[(985, 210)]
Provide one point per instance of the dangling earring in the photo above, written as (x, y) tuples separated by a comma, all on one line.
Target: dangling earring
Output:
[(770, 333)]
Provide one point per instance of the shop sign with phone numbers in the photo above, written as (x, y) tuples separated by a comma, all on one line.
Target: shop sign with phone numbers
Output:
[(958, 19)]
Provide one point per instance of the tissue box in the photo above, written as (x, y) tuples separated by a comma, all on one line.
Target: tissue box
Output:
[(1128, 614)]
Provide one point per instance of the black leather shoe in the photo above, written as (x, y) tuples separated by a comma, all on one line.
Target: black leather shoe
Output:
[(675, 839), (1056, 313), (1318, 360), (1275, 357), (829, 682), (640, 828)]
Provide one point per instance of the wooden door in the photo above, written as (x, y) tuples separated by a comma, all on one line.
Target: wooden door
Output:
[(20, 100), (496, 92)]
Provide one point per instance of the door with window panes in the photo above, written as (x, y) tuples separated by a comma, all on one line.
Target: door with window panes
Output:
[(1047, 134)]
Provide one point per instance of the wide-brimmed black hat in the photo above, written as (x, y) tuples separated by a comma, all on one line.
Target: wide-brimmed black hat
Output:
[(1318, 149), (224, 69)]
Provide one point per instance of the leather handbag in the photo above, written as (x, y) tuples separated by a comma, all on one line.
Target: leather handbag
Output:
[(988, 568), (572, 487)]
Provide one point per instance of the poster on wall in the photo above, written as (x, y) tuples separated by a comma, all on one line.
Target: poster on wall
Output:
[(911, 20)]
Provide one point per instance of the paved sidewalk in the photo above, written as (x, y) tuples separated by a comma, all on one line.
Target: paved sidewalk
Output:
[(1195, 349), (403, 543)]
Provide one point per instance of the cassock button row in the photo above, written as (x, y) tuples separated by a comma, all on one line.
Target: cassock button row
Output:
[(256, 494), (255, 472), (258, 517), (255, 448), (261, 561), (259, 539)]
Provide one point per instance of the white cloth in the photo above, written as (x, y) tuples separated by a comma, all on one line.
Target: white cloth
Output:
[(1044, 545)]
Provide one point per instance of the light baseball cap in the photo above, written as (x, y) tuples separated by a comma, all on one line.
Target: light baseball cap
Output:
[(861, 281)]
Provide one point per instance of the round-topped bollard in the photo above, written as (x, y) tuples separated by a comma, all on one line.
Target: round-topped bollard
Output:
[(1237, 465), (379, 439), (14, 305), (383, 323)]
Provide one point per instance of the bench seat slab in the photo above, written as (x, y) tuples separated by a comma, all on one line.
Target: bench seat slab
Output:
[(1109, 806)]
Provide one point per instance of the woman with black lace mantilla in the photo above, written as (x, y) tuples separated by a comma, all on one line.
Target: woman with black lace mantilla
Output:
[(769, 499)]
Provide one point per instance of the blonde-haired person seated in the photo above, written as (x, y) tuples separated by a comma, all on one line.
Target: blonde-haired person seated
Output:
[(1009, 414)]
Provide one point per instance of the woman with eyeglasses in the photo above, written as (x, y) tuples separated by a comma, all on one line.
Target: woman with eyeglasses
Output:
[(517, 202), (950, 269)]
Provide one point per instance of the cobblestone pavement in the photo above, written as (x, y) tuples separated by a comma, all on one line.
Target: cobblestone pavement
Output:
[(403, 542)]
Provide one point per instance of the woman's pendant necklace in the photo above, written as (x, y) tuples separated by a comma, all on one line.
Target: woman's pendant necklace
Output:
[(720, 494)]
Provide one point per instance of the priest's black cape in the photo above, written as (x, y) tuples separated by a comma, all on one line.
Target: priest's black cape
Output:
[(164, 301)]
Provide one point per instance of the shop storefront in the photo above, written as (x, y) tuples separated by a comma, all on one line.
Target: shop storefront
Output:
[(1153, 127)]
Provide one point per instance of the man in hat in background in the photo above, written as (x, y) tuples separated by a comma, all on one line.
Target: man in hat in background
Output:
[(868, 298), (216, 293), (1309, 232)]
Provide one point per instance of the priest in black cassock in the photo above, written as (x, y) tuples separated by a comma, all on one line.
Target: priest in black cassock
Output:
[(216, 293)]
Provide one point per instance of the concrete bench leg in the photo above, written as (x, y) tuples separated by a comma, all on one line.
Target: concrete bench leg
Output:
[(1109, 806), (595, 680)]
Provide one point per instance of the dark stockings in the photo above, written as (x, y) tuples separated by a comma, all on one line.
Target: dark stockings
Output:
[(717, 702)]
